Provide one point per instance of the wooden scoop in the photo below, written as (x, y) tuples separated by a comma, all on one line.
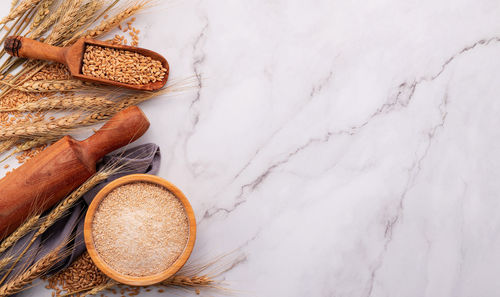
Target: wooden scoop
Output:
[(72, 57)]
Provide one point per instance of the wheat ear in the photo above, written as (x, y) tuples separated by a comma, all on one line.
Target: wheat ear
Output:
[(5, 261), (28, 130), (62, 103), (70, 122), (36, 142), (20, 10), (186, 281), (26, 74), (13, 4), (63, 125), (41, 13), (47, 86), (61, 209), (112, 22), (51, 20), (6, 145), (64, 22), (36, 270), (106, 111), (177, 281), (22, 230), (85, 15), (39, 141)]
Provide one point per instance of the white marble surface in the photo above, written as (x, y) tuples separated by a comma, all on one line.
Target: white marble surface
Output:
[(339, 148)]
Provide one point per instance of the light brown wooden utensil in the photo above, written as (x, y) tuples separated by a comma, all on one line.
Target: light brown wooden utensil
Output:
[(52, 174), (134, 280), (72, 57)]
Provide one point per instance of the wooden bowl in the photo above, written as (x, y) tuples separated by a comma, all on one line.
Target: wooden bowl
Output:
[(142, 280)]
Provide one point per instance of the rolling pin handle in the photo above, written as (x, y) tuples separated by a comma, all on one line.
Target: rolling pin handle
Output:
[(123, 128)]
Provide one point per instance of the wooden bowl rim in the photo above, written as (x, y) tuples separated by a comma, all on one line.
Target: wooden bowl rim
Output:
[(142, 280)]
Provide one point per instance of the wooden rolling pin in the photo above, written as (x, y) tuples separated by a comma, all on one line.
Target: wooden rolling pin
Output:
[(52, 174)]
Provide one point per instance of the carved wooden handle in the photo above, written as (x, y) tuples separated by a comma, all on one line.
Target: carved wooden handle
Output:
[(23, 47), (122, 129)]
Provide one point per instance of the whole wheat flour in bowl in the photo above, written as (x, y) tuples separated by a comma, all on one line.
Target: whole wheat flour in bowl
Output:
[(139, 229)]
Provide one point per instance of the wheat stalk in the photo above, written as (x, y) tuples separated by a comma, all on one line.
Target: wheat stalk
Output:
[(65, 124), (66, 20), (85, 15), (51, 20), (27, 130), (39, 141), (42, 86), (105, 114), (41, 14), (112, 22), (26, 8), (9, 31), (20, 24), (28, 276), (58, 127), (189, 281), (7, 144), (36, 142), (27, 73), (61, 209), (62, 103), (84, 28), (124, 102), (20, 10), (45, 86), (13, 4), (5, 261), (174, 281), (22, 230)]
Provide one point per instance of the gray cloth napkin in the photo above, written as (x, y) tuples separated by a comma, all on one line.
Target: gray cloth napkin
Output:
[(141, 159)]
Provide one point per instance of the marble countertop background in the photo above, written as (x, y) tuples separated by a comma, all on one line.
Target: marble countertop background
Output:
[(336, 148)]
